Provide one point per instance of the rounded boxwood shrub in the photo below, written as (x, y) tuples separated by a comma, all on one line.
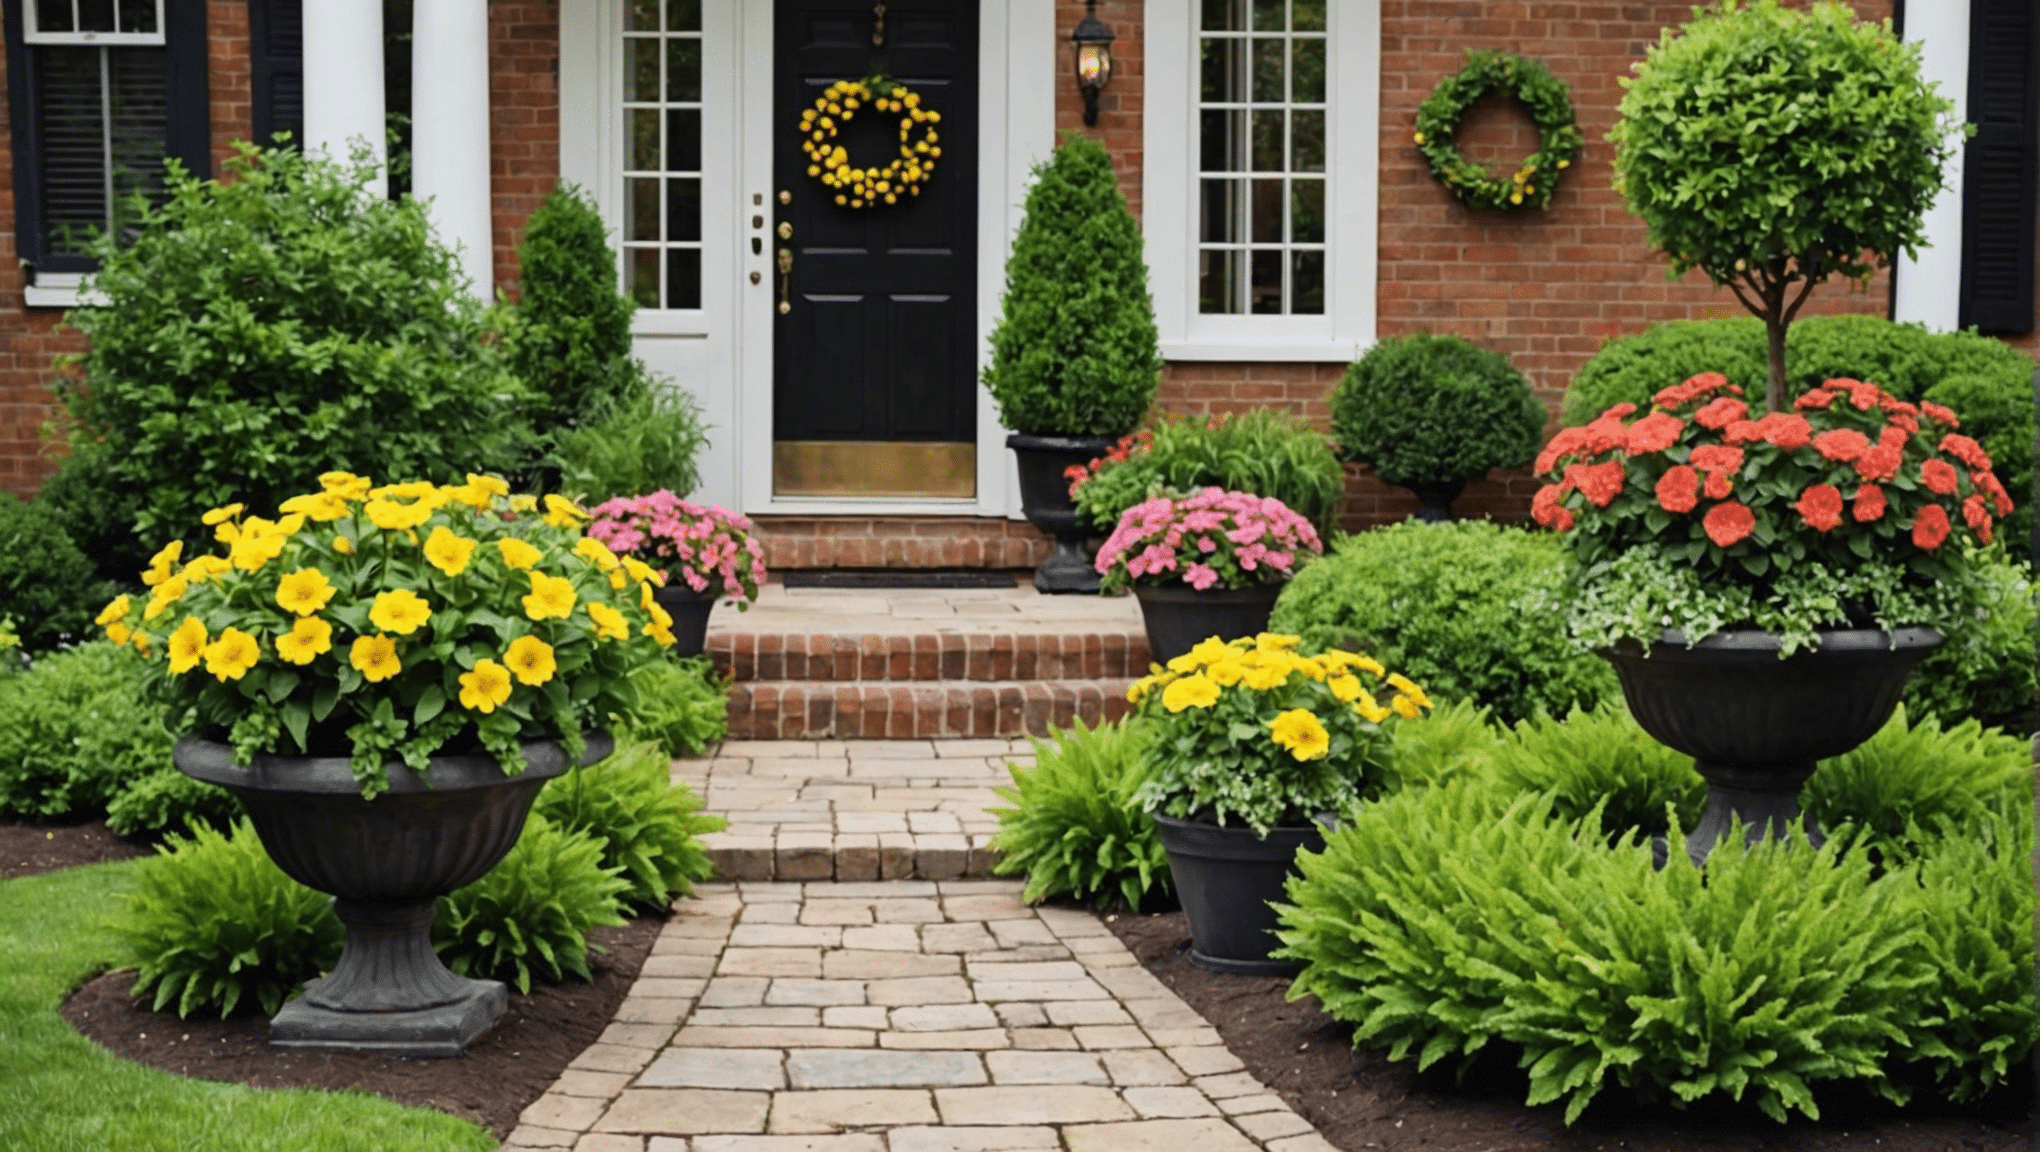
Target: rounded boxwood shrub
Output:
[(1265, 451), (1631, 369), (47, 586), (1435, 409), (1075, 351), (1469, 609)]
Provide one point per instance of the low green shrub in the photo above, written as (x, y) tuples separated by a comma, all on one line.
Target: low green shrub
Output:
[(1986, 671), (1999, 417), (1075, 826), (165, 800), (531, 914), (683, 705), (1468, 609), (1263, 451), (643, 444), (650, 827), (47, 584), (1631, 369), (213, 923), (1435, 409), (1600, 761), (75, 730)]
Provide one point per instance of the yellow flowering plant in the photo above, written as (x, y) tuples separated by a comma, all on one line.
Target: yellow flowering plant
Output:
[(397, 620), (1257, 731)]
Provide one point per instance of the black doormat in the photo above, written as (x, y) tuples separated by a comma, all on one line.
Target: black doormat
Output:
[(900, 578)]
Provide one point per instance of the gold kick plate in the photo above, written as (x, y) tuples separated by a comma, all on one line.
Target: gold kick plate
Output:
[(895, 468)]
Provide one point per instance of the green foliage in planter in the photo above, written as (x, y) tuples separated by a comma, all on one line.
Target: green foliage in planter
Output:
[(1987, 670), (1075, 825), (1442, 919), (1772, 148), (262, 329), (1449, 741), (213, 923), (531, 915), (75, 730), (1265, 451), (569, 337), (165, 800), (1075, 351), (683, 705), (1468, 609), (1600, 761), (642, 445), (47, 584), (649, 826), (1434, 409)]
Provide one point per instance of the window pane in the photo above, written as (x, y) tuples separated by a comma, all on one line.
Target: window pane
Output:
[(641, 69), (1307, 211), (683, 278), (642, 16), (1267, 211), (1222, 205), (1225, 15), (1271, 85), (1307, 58), (641, 275), (1308, 149), (1225, 71), (1265, 291), (641, 209), (683, 71), (644, 139), (683, 15), (1307, 283), (74, 146), (683, 209), (1267, 141), (138, 15), (95, 15), (1307, 15), (53, 16), (1269, 15), (683, 140), (139, 98), (1218, 282), (1222, 141)]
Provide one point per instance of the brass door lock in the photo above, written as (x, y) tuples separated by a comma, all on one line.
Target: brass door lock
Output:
[(785, 272)]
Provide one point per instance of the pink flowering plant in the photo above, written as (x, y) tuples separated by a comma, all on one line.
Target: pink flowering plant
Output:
[(1209, 539), (1853, 509), (699, 546)]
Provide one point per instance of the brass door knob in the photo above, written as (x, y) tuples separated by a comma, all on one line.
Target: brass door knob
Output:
[(785, 230)]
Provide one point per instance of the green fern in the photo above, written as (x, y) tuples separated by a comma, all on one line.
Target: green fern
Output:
[(1919, 776), (1601, 758), (1441, 744), (648, 824), (532, 913), (1075, 827)]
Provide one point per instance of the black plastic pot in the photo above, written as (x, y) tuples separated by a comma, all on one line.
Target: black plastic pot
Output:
[(1226, 877), (1045, 501), (386, 861), (1755, 725), (689, 610), (1179, 617)]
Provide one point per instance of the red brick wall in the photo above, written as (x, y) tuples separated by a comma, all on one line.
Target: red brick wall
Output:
[(524, 121)]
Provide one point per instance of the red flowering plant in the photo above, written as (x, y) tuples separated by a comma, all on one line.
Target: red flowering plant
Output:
[(1853, 509)]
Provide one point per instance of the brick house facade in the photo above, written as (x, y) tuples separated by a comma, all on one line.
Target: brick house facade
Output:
[(1546, 288)]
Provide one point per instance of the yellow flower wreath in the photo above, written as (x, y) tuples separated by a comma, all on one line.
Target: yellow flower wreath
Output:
[(864, 187)]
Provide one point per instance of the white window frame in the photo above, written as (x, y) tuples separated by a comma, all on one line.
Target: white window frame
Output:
[(1169, 183), (32, 34)]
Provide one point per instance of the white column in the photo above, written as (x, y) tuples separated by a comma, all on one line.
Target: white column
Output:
[(344, 79), (450, 129), (1929, 290)]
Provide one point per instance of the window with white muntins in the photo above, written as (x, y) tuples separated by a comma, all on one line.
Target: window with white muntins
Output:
[(662, 43)]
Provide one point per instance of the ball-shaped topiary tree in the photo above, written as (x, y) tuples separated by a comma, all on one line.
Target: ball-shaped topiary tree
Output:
[(1434, 411), (1772, 148), (1075, 351)]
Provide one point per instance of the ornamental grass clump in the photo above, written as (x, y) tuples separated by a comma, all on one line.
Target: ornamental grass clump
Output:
[(1212, 539), (1854, 510), (399, 620), (698, 546), (1253, 731)]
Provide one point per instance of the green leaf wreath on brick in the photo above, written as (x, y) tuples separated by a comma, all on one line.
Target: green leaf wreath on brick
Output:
[(1542, 94)]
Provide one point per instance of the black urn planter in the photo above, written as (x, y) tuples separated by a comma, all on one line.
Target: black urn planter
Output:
[(1045, 501), (1755, 725), (1434, 499), (386, 861), (689, 610), (1179, 617), (1226, 876)]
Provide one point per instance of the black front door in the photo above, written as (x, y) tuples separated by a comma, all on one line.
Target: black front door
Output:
[(874, 366)]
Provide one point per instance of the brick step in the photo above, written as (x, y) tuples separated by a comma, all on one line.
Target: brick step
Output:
[(919, 709), (984, 656)]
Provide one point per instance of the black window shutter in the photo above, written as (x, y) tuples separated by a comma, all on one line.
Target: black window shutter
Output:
[(1999, 187), (276, 31)]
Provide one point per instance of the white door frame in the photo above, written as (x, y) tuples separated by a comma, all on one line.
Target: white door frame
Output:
[(723, 352)]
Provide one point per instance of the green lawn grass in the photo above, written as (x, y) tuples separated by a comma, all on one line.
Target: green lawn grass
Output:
[(62, 1093)]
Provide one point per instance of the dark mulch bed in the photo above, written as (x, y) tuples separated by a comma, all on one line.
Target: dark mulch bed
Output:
[(26, 849), (1359, 1100)]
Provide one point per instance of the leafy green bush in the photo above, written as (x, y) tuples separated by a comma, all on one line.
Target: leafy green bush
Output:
[(166, 800), (1075, 351), (261, 329), (531, 915), (1435, 409), (1076, 826), (683, 705), (1987, 670), (1997, 412), (569, 337), (47, 584), (642, 445), (1631, 369), (1600, 761), (648, 824), (1263, 451), (75, 730), (1468, 609), (214, 921)]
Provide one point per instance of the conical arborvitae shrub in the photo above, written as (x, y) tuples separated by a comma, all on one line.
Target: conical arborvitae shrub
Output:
[(571, 338), (1075, 352)]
